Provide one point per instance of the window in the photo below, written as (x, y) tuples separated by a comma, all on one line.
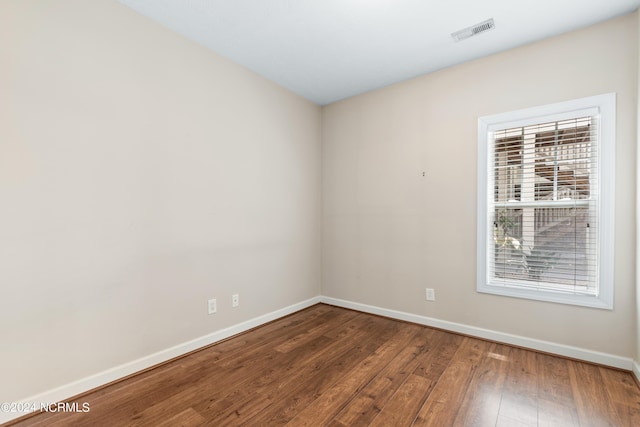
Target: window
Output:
[(545, 202)]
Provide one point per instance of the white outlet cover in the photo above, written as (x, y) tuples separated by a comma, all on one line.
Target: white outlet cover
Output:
[(212, 306), (235, 300), (430, 294)]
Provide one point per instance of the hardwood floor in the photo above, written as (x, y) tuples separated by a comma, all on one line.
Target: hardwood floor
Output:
[(335, 367)]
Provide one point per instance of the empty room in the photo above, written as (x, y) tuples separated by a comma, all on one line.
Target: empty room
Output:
[(319, 213)]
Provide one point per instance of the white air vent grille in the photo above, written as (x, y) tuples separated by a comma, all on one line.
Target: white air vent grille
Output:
[(474, 30)]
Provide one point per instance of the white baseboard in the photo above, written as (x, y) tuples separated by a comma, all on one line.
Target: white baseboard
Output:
[(81, 386), (520, 341), (636, 370)]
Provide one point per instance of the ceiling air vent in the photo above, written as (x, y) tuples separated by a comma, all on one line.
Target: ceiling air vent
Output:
[(474, 30)]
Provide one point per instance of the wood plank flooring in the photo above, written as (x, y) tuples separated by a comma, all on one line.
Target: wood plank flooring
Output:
[(328, 366)]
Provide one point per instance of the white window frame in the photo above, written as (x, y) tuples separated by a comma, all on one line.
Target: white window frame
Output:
[(603, 106)]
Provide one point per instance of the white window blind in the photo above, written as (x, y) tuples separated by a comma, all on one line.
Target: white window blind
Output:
[(545, 231), (544, 209)]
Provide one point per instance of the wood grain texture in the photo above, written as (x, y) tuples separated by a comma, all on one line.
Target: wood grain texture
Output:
[(329, 366)]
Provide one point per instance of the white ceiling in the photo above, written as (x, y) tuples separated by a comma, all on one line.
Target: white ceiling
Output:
[(326, 50)]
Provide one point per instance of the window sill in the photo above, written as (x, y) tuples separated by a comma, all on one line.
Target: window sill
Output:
[(593, 301)]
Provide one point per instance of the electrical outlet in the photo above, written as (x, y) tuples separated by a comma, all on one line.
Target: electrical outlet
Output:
[(235, 300), (212, 306), (431, 294)]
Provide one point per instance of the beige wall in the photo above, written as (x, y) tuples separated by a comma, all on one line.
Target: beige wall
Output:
[(140, 175), (637, 235), (389, 232)]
